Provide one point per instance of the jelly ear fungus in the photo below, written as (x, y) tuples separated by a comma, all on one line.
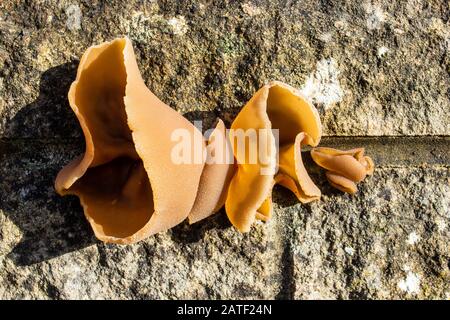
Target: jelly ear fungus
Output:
[(281, 107), (130, 186), (344, 168), (127, 183), (216, 176)]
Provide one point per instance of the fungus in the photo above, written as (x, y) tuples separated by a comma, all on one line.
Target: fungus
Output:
[(274, 106), (130, 185), (292, 173), (216, 176), (344, 168), (126, 180)]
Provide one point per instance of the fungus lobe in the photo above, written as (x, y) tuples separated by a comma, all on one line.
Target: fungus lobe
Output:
[(344, 168), (127, 183), (216, 176), (281, 107)]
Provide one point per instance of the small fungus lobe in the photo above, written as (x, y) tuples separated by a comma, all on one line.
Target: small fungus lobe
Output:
[(344, 168)]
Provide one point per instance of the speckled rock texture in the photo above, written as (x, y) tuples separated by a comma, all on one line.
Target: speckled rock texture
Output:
[(379, 73)]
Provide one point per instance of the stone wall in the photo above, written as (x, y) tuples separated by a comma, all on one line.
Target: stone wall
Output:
[(378, 71)]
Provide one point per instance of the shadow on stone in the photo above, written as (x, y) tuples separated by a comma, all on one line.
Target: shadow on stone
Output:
[(207, 118), (49, 116), (185, 233), (287, 290), (50, 225)]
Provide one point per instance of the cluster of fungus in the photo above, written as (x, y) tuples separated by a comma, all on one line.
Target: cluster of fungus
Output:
[(130, 188)]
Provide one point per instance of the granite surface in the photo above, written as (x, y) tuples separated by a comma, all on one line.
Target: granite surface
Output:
[(378, 71)]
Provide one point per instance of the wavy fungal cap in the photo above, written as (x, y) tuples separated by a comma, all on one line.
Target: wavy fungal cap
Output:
[(274, 106), (128, 183), (216, 175), (292, 173), (345, 168), (126, 180)]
